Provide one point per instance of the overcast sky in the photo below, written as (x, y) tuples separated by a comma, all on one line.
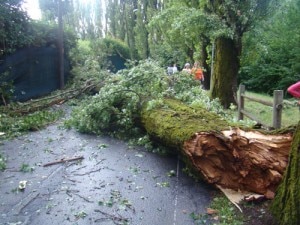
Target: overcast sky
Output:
[(34, 12), (32, 7)]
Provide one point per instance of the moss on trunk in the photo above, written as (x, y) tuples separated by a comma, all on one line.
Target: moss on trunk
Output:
[(286, 205), (177, 122), (224, 78)]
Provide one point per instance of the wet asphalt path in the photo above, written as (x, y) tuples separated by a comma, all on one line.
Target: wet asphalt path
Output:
[(113, 184)]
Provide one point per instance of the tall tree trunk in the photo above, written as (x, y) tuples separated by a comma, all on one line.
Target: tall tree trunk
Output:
[(286, 205), (203, 62), (224, 78)]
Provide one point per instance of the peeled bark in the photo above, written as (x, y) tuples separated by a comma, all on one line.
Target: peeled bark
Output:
[(224, 156), (240, 160)]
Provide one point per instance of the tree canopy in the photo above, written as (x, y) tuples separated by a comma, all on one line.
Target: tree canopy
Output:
[(263, 35), (13, 26), (271, 56)]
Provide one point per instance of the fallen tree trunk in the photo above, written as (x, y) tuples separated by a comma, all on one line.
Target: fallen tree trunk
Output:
[(246, 160)]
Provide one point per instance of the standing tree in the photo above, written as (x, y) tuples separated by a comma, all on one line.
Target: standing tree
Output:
[(128, 21), (121, 22), (83, 17), (141, 32), (271, 52), (112, 13), (49, 9), (222, 21), (286, 205), (88, 19), (186, 27), (238, 17)]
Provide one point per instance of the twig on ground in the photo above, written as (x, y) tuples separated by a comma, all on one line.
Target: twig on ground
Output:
[(63, 161), (75, 192), (84, 198), (83, 174), (114, 218)]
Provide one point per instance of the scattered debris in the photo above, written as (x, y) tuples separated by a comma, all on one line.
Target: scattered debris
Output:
[(116, 219), (211, 211), (81, 215), (171, 173), (235, 197), (101, 146), (22, 185)]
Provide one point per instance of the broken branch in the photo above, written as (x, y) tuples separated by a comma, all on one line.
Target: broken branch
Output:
[(63, 161)]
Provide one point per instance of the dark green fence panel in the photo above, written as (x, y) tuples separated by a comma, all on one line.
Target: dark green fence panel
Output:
[(34, 72)]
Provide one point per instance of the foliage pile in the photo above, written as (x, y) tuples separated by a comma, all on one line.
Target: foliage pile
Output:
[(14, 125), (116, 108)]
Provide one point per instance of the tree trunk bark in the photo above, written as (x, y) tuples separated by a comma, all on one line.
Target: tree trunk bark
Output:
[(224, 156), (224, 78), (203, 62), (286, 205)]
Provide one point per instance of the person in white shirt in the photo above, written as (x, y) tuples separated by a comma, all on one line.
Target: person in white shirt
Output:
[(175, 68), (187, 68)]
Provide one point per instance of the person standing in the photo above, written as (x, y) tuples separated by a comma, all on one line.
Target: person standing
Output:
[(198, 72), (170, 70), (187, 68), (294, 90), (175, 68)]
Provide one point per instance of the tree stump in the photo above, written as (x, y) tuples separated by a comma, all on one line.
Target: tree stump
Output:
[(246, 160)]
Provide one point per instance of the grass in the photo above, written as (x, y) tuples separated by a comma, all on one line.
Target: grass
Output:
[(220, 212), (290, 112), (2, 162), (13, 126), (25, 168)]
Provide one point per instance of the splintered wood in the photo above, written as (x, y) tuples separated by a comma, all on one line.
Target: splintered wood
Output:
[(240, 160)]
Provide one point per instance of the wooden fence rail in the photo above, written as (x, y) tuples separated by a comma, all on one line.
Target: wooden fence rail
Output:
[(277, 105)]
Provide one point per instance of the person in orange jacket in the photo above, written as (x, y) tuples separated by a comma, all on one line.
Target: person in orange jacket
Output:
[(198, 72)]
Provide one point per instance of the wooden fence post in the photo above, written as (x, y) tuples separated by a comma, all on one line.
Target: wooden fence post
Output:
[(241, 102), (277, 108)]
